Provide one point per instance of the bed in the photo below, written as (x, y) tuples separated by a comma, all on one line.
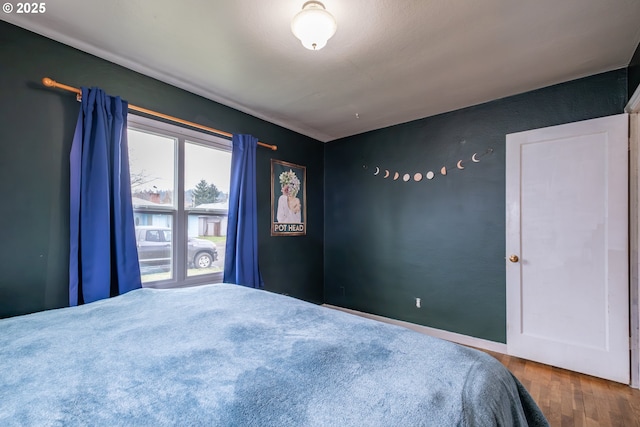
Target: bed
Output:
[(226, 355)]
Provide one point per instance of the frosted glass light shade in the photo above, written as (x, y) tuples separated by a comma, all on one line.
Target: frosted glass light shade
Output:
[(313, 25)]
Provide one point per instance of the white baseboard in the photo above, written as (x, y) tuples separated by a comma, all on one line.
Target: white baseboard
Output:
[(438, 333)]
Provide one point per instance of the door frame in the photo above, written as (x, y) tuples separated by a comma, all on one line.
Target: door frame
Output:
[(633, 109)]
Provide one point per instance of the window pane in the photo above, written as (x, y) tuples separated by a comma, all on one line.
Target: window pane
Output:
[(153, 236), (206, 243), (152, 169), (207, 174)]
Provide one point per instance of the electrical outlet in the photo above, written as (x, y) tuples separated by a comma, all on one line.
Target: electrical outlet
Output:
[(418, 302)]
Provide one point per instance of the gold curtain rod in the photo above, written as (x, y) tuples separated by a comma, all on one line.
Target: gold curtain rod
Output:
[(52, 83)]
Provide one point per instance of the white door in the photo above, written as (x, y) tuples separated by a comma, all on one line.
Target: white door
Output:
[(567, 224)]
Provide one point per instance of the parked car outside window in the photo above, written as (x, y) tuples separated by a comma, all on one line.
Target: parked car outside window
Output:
[(155, 243)]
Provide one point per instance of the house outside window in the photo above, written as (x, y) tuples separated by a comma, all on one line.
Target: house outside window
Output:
[(180, 193)]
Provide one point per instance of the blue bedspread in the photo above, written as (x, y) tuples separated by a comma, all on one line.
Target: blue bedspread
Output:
[(225, 355)]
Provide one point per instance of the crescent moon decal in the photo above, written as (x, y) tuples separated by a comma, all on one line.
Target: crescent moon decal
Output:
[(443, 171), (377, 171), (473, 158), (459, 165), (430, 175), (396, 176), (386, 173)]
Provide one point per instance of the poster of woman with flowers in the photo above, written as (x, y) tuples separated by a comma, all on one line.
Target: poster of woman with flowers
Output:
[(288, 199)]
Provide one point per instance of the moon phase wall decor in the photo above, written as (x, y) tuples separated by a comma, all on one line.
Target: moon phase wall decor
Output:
[(417, 176)]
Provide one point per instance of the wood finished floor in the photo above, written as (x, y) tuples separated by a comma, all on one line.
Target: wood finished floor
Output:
[(571, 399)]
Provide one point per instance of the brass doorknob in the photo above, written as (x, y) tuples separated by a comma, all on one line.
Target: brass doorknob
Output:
[(514, 258)]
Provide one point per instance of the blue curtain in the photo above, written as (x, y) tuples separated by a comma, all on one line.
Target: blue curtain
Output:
[(241, 253), (103, 255)]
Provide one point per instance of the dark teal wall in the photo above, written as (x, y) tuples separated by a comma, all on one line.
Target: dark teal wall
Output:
[(388, 242), (36, 127), (634, 72)]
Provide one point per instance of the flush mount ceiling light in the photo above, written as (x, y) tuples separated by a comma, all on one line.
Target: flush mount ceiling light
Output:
[(313, 25)]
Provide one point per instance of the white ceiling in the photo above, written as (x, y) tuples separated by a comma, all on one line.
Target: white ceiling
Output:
[(390, 61)]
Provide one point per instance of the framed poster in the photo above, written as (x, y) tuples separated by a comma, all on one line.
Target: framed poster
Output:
[(288, 199)]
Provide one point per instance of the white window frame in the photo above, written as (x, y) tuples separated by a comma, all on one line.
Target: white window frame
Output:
[(178, 211)]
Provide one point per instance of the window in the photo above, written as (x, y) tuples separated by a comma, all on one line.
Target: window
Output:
[(180, 193)]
